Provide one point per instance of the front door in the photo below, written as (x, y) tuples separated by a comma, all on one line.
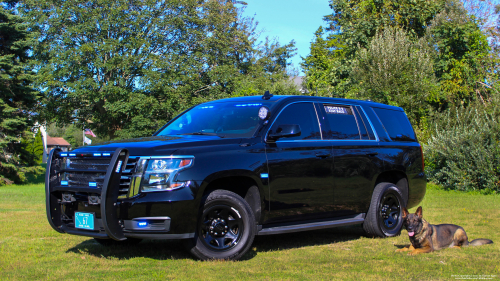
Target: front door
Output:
[(300, 168)]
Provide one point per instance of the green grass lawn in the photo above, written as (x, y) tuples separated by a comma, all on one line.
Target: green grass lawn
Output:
[(31, 249)]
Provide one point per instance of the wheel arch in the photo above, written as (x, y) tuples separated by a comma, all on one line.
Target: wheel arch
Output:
[(398, 178), (243, 183)]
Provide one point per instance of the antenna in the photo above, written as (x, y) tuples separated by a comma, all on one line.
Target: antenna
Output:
[(267, 96)]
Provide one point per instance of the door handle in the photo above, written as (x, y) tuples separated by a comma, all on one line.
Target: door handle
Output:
[(322, 155), (372, 154)]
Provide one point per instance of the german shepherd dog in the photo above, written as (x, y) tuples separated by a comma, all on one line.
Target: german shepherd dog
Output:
[(425, 237)]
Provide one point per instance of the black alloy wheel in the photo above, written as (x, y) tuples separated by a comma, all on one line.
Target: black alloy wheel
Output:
[(221, 227), (226, 227), (384, 217), (389, 211)]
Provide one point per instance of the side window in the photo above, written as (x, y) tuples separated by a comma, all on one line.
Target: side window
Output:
[(396, 124), (342, 123), (302, 114), (364, 127)]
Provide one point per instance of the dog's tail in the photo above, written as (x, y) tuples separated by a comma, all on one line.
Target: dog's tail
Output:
[(479, 242)]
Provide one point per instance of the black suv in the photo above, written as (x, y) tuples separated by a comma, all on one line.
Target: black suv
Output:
[(224, 171)]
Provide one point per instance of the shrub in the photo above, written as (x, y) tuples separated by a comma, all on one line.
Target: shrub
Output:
[(397, 70), (463, 152)]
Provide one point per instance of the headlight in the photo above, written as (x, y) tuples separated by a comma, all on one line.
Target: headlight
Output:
[(158, 174)]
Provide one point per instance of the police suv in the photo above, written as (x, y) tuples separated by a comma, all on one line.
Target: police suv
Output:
[(224, 171)]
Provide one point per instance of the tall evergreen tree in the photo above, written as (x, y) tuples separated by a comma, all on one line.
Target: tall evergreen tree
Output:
[(17, 98), (31, 148), (327, 67)]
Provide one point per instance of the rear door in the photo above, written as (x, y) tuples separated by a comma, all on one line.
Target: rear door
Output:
[(356, 160)]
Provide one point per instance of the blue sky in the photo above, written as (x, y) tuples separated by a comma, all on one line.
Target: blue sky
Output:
[(289, 20)]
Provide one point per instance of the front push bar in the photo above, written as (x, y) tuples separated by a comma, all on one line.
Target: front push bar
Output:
[(109, 196)]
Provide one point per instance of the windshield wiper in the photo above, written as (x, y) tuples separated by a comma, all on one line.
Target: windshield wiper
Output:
[(203, 134)]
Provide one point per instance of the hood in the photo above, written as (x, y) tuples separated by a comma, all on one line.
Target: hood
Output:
[(157, 145)]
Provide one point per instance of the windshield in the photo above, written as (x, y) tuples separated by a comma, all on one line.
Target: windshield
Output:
[(226, 119)]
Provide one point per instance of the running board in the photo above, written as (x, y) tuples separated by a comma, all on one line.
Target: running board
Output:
[(360, 218)]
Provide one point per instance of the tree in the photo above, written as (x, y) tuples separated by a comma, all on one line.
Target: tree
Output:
[(17, 98), (31, 148), (462, 50), (327, 68), (129, 66), (461, 61), (496, 32), (358, 21), (483, 10), (492, 80), (351, 26), (395, 70)]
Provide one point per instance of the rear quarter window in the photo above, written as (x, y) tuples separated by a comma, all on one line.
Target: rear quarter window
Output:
[(396, 124)]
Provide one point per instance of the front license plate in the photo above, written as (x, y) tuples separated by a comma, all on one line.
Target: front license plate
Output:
[(84, 220)]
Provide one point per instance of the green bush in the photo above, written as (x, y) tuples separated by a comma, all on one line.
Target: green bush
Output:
[(463, 152), (13, 174), (397, 70)]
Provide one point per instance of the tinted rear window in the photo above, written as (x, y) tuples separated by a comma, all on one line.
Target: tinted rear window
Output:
[(396, 124), (342, 123)]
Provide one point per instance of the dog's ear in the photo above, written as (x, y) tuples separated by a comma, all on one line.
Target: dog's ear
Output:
[(419, 212), (405, 213)]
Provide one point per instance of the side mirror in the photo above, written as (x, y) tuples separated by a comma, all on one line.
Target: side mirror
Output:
[(284, 131)]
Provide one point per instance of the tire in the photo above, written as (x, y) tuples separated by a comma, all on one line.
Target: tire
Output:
[(385, 215), (226, 228), (111, 242)]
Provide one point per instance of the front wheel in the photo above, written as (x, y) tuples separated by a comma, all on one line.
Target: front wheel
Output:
[(226, 228), (385, 215)]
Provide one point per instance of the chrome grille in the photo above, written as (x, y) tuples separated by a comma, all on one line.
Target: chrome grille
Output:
[(127, 176)]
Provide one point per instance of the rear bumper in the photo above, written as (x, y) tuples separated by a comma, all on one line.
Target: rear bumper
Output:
[(161, 215)]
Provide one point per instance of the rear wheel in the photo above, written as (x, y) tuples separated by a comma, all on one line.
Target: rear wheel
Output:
[(226, 228), (385, 215)]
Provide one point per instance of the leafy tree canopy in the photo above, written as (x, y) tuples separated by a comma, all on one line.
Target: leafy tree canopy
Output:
[(458, 47), (394, 70), (131, 65), (351, 26), (462, 52), (358, 21)]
